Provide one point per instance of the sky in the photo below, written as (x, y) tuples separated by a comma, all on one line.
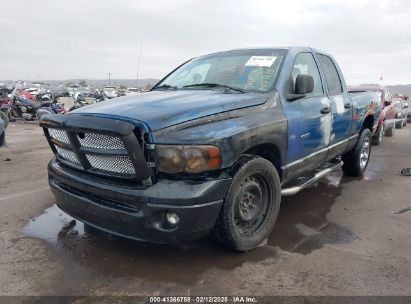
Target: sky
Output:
[(56, 40)]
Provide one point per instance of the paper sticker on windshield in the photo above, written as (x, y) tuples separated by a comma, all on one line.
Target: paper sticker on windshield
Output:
[(261, 61)]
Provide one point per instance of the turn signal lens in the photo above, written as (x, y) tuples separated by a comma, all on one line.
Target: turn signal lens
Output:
[(189, 159)]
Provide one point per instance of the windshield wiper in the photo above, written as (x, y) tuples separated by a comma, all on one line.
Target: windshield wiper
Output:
[(165, 87), (213, 85)]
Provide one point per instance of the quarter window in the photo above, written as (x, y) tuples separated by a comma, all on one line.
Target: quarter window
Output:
[(331, 75)]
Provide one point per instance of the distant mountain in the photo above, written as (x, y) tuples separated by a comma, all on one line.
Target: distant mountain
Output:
[(95, 82), (404, 89), (131, 83)]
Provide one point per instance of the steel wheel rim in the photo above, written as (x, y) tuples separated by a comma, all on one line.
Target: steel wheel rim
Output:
[(365, 153), (252, 205)]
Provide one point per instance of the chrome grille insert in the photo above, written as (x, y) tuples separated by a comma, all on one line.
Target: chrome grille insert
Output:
[(100, 141), (67, 154), (60, 135), (111, 163)]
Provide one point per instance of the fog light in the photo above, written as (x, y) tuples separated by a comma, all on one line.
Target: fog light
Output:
[(172, 218)]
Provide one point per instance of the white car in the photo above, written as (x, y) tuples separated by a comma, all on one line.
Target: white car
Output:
[(132, 91), (33, 91), (110, 92)]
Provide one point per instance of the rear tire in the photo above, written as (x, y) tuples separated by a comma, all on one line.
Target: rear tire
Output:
[(398, 124), (356, 161), (377, 139), (251, 206), (390, 131), (12, 115)]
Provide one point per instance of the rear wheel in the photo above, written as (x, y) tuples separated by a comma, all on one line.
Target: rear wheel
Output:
[(251, 206), (398, 124), (356, 161), (12, 115), (377, 139), (389, 131)]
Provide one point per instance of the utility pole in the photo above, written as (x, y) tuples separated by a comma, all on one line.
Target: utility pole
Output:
[(109, 77), (138, 64)]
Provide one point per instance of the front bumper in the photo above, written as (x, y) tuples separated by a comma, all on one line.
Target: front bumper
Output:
[(138, 212)]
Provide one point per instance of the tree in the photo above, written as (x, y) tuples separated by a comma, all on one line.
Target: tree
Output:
[(82, 83), (148, 87)]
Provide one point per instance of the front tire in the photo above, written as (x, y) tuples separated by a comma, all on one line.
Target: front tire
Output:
[(251, 206), (356, 161)]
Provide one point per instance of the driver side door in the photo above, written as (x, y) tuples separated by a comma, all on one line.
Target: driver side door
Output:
[(309, 120)]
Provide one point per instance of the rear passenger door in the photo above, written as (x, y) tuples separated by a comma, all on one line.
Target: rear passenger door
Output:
[(341, 107)]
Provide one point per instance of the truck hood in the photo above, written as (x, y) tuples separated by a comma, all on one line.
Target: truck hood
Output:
[(161, 109)]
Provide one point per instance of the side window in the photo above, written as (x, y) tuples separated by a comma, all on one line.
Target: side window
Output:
[(305, 64), (331, 75)]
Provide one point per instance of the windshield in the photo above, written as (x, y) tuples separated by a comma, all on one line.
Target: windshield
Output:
[(245, 70)]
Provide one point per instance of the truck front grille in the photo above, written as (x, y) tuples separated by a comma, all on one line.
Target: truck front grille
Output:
[(95, 151), (119, 164), (59, 135), (68, 155), (100, 141)]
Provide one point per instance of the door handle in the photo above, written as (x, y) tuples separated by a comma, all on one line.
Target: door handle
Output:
[(348, 105), (325, 110)]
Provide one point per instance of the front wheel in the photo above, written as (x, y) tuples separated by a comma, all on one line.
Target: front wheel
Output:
[(356, 161), (251, 206)]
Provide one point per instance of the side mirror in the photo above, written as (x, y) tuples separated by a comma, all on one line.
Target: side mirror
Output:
[(387, 103), (303, 84)]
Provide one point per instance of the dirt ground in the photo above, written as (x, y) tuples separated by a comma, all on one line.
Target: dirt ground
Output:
[(338, 237)]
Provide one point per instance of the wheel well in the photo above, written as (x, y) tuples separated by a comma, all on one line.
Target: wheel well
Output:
[(269, 152), (368, 123)]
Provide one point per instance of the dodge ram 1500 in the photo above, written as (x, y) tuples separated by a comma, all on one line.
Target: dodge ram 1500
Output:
[(211, 148)]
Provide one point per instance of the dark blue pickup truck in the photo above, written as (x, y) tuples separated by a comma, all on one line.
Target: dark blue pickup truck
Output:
[(211, 148)]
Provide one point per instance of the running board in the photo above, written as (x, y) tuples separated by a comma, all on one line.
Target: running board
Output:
[(305, 181)]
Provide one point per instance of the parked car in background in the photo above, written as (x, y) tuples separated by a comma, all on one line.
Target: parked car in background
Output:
[(211, 148), (402, 112), (25, 94), (407, 104), (132, 91), (387, 117), (110, 92)]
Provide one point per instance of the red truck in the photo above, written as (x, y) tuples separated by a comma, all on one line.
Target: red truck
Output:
[(388, 113)]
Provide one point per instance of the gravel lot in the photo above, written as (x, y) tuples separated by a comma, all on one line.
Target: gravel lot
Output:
[(339, 237)]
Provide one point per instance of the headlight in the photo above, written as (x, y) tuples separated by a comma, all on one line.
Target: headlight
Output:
[(189, 159), (398, 114)]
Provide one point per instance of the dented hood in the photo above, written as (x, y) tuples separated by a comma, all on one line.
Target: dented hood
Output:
[(161, 109)]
